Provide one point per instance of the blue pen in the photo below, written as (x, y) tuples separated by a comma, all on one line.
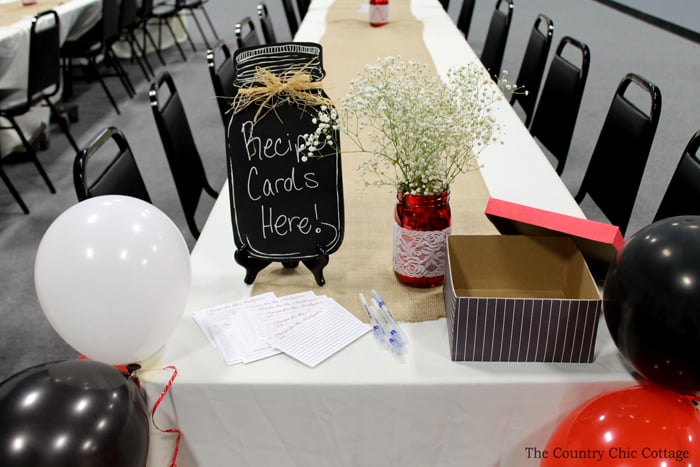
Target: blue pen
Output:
[(395, 330), (376, 329), (390, 333)]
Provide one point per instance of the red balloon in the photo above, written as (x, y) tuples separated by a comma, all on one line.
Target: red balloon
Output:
[(641, 426)]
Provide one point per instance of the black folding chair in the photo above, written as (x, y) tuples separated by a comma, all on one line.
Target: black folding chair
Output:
[(303, 7), (96, 44), (180, 149), (555, 117), (292, 20), (464, 20), (682, 196), (115, 171), (617, 165), (533, 64), (198, 5), (163, 13), (246, 36), (496, 38), (266, 26), (43, 83), (222, 71)]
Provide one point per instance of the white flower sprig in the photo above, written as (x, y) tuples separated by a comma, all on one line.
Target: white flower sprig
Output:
[(326, 121), (420, 132)]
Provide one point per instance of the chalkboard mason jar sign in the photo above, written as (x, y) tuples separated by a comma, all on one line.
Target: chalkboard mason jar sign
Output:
[(286, 190)]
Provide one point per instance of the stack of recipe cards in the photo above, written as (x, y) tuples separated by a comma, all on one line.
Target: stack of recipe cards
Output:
[(305, 326)]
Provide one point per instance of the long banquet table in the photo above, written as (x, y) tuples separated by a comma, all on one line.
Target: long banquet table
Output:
[(361, 407)]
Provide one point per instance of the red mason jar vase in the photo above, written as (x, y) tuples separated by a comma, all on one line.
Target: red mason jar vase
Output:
[(422, 222)]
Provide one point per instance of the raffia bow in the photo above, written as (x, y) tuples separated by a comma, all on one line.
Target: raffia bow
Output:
[(270, 91)]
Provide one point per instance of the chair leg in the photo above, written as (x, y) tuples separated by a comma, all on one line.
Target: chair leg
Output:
[(136, 49), (67, 92), (62, 123), (199, 27), (13, 191), (30, 152), (211, 25), (121, 73), (172, 33), (187, 32), (147, 34), (104, 86)]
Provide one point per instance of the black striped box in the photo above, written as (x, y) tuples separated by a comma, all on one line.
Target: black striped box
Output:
[(520, 298)]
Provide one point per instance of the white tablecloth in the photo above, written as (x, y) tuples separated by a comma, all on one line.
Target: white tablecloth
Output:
[(76, 17), (361, 407)]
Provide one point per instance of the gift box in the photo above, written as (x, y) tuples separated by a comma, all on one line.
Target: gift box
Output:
[(598, 242), (520, 298)]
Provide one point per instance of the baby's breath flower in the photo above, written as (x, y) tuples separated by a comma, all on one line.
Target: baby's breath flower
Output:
[(420, 132), (326, 121)]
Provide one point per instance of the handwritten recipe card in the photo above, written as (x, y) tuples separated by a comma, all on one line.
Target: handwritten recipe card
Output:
[(305, 326)]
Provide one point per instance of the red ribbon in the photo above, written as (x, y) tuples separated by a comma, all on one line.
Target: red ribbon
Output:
[(173, 461)]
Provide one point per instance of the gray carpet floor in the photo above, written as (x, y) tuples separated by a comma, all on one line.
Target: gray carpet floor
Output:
[(619, 44)]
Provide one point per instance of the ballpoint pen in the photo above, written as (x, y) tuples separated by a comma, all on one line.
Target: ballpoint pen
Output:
[(376, 329), (390, 333), (393, 325)]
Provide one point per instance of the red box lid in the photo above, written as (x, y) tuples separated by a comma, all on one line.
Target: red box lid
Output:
[(598, 242)]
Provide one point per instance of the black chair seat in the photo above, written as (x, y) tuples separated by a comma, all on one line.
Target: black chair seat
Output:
[(14, 102), (81, 49), (163, 11)]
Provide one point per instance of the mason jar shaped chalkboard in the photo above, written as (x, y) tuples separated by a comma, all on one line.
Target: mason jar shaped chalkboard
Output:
[(283, 154)]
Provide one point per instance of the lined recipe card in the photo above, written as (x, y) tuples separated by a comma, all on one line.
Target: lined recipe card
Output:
[(305, 326)]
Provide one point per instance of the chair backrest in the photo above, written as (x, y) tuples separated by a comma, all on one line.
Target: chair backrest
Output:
[(222, 72), (146, 9), (180, 149), (266, 25), (44, 57), (682, 196), (129, 16), (110, 21), (464, 20), (118, 174), (533, 64), (617, 165), (246, 36), (496, 38), (557, 109), (303, 7), (291, 16)]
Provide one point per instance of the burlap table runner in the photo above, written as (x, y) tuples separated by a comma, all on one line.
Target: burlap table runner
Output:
[(10, 13), (364, 261)]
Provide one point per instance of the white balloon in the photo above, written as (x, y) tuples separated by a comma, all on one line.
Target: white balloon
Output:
[(112, 274)]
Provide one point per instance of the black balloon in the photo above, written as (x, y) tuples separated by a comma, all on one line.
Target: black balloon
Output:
[(72, 413), (652, 303)]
